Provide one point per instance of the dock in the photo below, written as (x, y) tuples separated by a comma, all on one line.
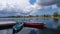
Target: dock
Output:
[(6, 27), (2, 23)]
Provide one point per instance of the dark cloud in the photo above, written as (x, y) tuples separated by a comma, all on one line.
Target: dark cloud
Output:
[(49, 2), (13, 12), (58, 4)]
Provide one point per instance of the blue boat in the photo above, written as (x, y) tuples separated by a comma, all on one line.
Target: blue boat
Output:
[(17, 27)]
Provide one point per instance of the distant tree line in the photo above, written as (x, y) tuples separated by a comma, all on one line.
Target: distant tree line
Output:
[(55, 14)]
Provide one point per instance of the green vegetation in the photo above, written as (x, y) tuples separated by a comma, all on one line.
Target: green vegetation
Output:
[(55, 15)]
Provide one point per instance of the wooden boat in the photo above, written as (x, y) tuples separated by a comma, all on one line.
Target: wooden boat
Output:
[(34, 25)]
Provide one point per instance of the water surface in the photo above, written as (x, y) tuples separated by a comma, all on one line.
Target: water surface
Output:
[(53, 25)]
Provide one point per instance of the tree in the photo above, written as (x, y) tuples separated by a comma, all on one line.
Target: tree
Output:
[(37, 15), (47, 15), (55, 14), (30, 16)]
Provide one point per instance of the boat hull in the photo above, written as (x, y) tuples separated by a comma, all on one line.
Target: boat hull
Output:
[(18, 27), (34, 25)]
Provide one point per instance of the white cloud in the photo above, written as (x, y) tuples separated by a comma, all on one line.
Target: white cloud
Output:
[(24, 6), (54, 6), (44, 4), (19, 6), (16, 4)]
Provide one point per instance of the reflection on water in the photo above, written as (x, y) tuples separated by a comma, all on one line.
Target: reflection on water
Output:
[(53, 24), (56, 20), (49, 31), (49, 21), (33, 32)]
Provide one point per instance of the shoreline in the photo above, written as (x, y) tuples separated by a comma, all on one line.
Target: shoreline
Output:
[(29, 17)]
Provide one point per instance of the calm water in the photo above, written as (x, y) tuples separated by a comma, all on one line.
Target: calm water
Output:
[(50, 23)]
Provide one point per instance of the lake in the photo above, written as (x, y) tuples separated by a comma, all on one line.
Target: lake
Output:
[(53, 25)]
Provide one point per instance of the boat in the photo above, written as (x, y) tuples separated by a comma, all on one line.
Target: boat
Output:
[(18, 27), (34, 25)]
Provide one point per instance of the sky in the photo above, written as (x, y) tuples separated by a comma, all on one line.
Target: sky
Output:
[(28, 7)]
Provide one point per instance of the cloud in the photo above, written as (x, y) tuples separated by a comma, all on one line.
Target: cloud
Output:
[(48, 2), (45, 4), (23, 7), (16, 4), (19, 6)]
